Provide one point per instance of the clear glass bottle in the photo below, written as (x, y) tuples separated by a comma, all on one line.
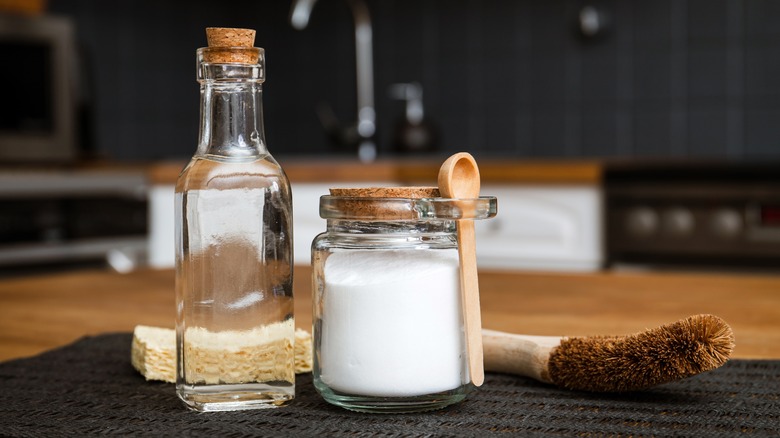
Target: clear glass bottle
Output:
[(387, 312), (234, 302)]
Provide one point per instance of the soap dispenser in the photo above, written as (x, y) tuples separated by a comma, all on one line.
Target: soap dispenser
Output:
[(414, 133)]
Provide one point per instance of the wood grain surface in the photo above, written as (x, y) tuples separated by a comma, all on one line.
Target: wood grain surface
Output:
[(415, 171), (42, 312)]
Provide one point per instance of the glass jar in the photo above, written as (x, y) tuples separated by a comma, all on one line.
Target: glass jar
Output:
[(388, 320), (234, 302)]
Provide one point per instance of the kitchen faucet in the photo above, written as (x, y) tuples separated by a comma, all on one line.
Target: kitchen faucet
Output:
[(362, 132)]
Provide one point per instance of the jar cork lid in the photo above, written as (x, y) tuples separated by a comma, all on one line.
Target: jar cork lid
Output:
[(231, 45), (387, 192), (402, 203)]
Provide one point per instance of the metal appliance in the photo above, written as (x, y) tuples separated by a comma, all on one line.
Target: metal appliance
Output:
[(714, 214), (53, 218), (38, 117)]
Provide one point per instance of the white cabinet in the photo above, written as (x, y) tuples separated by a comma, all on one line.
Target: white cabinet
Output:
[(555, 227), (307, 223), (161, 245)]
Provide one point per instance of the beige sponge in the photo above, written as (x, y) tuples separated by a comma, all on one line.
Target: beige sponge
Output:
[(154, 352)]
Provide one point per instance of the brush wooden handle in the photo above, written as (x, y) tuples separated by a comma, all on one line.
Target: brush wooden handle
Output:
[(524, 355)]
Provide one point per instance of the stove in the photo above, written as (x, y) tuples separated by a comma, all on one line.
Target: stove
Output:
[(62, 218), (706, 214)]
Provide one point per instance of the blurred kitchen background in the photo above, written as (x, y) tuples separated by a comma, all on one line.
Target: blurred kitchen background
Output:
[(668, 110), (695, 78)]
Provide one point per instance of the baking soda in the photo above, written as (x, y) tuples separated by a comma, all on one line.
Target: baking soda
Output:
[(392, 323)]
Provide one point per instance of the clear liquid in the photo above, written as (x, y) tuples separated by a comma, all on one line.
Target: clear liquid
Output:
[(235, 328)]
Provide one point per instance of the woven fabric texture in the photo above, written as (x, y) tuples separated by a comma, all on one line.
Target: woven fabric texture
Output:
[(90, 388)]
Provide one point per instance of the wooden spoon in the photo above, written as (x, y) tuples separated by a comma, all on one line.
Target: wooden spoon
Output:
[(459, 178)]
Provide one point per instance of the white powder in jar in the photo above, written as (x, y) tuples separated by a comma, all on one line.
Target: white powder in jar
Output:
[(391, 323)]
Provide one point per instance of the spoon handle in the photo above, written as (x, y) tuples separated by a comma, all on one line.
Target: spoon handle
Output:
[(470, 297)]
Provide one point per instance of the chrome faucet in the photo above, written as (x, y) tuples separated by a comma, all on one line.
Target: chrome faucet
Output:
[(364, 129)]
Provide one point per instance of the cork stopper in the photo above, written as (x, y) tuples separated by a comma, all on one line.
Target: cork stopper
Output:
[(230, 45)]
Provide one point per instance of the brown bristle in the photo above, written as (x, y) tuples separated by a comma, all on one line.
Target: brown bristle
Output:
[(628, 363)]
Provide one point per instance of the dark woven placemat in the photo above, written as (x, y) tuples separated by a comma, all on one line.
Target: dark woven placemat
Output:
[(90, 388)]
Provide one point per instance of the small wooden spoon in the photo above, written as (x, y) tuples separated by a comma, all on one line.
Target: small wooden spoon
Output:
[(459, 178)]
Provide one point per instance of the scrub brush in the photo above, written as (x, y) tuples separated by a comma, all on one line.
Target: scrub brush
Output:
[(634, 362)]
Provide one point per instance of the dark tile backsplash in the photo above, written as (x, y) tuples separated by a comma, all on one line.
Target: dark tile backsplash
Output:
[(669, 78)]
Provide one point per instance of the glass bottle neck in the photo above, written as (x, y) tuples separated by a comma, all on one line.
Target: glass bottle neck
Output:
[(231, 120)]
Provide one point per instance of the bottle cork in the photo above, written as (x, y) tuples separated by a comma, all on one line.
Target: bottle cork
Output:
[(231, 45)]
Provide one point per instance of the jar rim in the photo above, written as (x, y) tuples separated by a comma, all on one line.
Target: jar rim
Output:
[(398, 208)]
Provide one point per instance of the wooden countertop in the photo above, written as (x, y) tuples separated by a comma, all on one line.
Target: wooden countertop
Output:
[(415, 171), (43, 312)]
